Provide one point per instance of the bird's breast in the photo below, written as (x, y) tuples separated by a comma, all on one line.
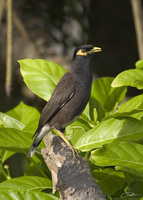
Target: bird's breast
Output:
[(73, 108)]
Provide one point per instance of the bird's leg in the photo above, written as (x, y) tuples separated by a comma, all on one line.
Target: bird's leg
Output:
[(66, 141)]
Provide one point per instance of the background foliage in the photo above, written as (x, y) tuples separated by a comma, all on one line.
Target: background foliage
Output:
[(109, 134)]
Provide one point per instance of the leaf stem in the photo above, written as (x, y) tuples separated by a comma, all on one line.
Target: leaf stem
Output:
[(2, 169)]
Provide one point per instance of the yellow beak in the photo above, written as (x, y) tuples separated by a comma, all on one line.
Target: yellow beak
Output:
[(94, 50)]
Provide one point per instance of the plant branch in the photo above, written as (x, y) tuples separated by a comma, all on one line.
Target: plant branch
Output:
[(8, 84), (138, 22)]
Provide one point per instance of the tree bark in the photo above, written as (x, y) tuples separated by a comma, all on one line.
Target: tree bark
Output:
[(70, 173)]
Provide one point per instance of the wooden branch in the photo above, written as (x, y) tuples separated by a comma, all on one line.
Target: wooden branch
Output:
[(138, 21), (8, 84), (70, 173)]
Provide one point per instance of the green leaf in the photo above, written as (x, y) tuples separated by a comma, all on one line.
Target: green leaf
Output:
[(15, 140), (114, 98), (32, 126), (101, 88), (28, 183), (136, 187), (24, 113), (139, 64), (99, 92), (41, 76), (132, 104), (95, 114), (105, 96), (130, 171), (4, 155), (127, 154), (109, 180), (74, 133), (89, 110), (112, 130), (131, 77), (40, 169), (25, 195), (10, 122), (77, 128), (137, 114), (32, 170)]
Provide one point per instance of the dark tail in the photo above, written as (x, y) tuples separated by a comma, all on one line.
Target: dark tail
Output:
[(33, 147), (39, 136)]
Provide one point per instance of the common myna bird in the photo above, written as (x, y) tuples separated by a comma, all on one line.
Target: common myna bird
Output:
[(69, 97)]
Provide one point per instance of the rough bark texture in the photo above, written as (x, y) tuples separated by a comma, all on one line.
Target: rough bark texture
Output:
[(70, 173)]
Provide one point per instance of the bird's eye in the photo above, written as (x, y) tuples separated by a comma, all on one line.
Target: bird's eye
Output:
[(83, 50)]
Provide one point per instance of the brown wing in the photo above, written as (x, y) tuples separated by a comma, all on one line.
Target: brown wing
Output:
[(63, 92)]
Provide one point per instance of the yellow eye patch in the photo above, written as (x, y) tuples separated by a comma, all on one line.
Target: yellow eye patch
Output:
[(84, 52), (81, 53)]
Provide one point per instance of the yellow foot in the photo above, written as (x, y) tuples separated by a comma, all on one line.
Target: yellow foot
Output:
[(74, 151)]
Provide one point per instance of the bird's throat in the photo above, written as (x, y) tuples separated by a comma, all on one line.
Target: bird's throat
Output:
[(82, 68)]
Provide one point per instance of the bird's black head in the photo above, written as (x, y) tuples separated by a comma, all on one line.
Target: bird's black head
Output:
[(85, 50)]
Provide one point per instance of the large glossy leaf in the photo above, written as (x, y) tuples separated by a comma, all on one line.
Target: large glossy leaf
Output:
[(132, 104), (24, 113), (136, 113), (25, 195), (99, 92), (41, 76), (9, 122), (114, 98), (15, 140), (28, 183), (109, 98), (74, 133), (112, 130), (31, 126), (131, 77), (109, 180), (139, 64), (131, 108), (126, 154), (101, 88)]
